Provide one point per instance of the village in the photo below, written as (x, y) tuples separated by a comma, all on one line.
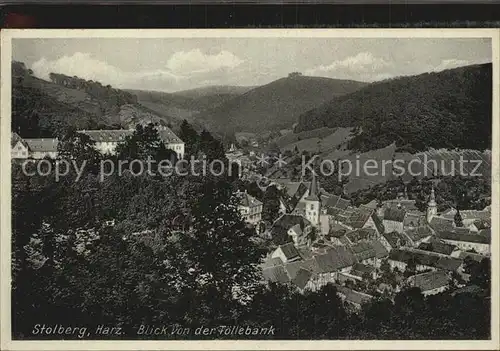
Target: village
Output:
[(377, 248)]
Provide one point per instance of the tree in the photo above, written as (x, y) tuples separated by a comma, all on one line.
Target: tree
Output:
[(79, 148), (271, 204), (190, 138), (458, 219), (145, 143)]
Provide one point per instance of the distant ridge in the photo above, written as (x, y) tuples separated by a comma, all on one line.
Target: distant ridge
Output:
[(275, 105), (214, 90)]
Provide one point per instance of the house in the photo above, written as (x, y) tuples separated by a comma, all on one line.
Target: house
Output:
[(438, 246), (418, 235), (285, 227), (361, 270), (469, 216), (479, 242), (286, 253), (250, 208), (441, 224), (413, 220), (430, 283), (337, 259), (393, 219), (480, 224), (393, 240), (370, 253), (423, 260), (354, 236), (40, 148), (359, 218), (353, 298), (106, 141), (18, 147)]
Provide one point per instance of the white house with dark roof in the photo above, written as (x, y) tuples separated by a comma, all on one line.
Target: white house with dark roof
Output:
[(287, 253), (479, 242), (18, 147), (36, 148), (106, 141), (393, 219)]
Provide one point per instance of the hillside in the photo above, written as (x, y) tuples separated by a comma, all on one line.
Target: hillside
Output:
[(447, 109), (276, 105), (179, 106), (42, 109), (212, 90)]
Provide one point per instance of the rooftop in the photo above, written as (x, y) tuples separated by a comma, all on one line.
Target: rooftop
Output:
[(394, 214), (247, 200), (429, 280), (418, 233), (42, 144), (478, 238)]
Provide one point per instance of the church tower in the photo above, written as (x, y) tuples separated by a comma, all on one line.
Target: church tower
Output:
[(431, 206), (313, 203)]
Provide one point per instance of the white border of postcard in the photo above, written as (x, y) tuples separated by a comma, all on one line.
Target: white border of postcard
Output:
[(5, 190)]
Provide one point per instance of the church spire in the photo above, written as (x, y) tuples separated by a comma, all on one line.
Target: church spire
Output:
[(313, 189), (431, 205)]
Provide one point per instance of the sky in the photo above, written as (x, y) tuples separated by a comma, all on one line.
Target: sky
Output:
[(174, 64)]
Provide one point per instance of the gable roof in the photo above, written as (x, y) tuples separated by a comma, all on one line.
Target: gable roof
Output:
[(477, 238), (337, 257), (119, 135), (360, 269), (14, 138), (429, 280), (353, 296), (301, 278), (42, 144), (272, 262), (247, 200), (335, 201), (281, 226), (441, 223), (108, 135), (393, 238), (439, 246), (168, 136), (276, 274), (394, 214), (413, 219), (290, 251), (360, 234), (418, 233), (357, 218), (425, 258)]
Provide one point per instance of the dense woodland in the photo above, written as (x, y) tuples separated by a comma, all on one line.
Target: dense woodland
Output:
[(180, 254), (448, 109)]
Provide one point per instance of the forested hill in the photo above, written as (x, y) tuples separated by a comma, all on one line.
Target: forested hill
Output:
[(43, 108), (276, 105), (448, 109)]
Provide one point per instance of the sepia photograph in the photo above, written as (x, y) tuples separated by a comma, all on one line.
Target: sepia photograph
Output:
[(300, 189)]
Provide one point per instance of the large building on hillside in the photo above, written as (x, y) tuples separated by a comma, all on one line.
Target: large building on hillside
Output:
[(106, 141), (35, 148)]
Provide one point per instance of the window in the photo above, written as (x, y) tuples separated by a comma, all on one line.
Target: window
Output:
[(312, 206)]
